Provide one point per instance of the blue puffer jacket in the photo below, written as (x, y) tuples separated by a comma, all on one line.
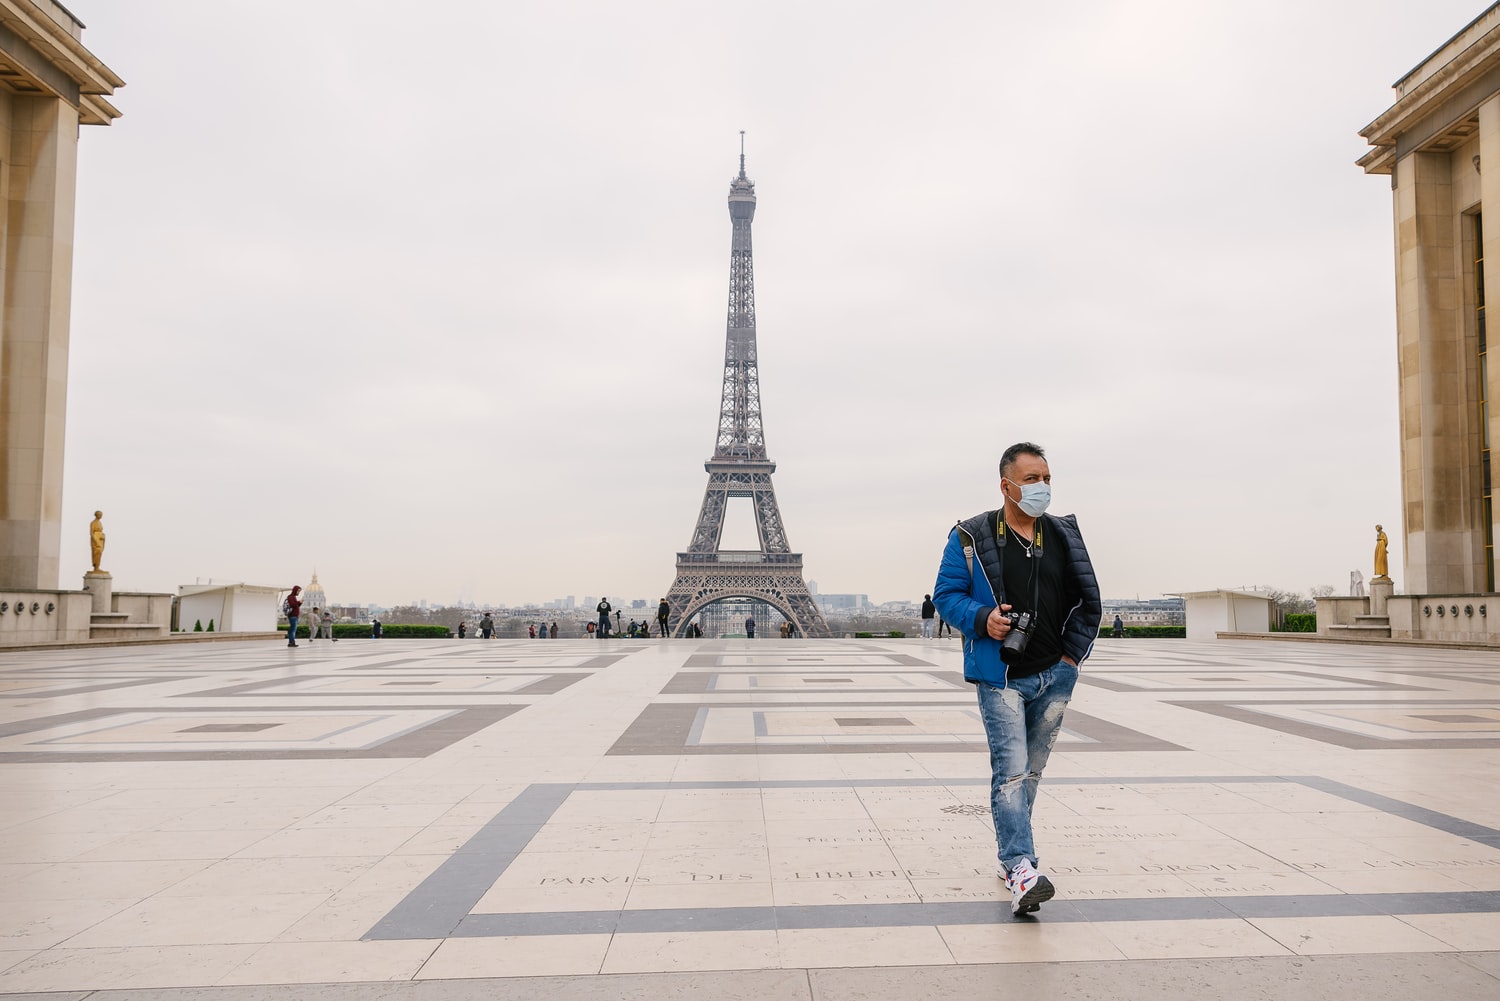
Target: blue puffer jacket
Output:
[(966, 600)]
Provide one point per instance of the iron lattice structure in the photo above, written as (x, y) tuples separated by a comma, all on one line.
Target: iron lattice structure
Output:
[(739, 468)]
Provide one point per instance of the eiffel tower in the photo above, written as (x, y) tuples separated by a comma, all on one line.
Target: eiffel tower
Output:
[(739, 468)]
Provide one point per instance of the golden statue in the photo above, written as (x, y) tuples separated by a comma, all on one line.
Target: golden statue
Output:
[(1380, 555), (96, 539)]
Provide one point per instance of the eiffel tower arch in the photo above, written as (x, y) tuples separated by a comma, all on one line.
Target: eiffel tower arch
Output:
[(740, 468)]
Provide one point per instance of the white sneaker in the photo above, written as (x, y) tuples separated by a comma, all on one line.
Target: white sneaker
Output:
[(1029, 889)]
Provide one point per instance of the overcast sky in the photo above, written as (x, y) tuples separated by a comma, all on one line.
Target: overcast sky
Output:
[(434, 302)]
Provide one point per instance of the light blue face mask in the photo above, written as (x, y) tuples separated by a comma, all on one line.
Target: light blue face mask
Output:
[(1034, 498)]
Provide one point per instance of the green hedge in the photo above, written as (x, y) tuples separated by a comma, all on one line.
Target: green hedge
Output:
[(361, 630), (1298, 622), (1144, 632)]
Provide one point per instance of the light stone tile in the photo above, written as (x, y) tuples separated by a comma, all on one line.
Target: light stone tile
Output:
[(694, 865), (622, 836), (707, 834), (1400, 880), (664, 952), (233, 877), (41, 924), (703, 893), (327, 842), (81, 880), (920, 945), (124, 968), (343, 917), (516, 956), (596, 895), (789, 893), (1466, 932), (11, 957), (331, 962), (1028, 942), (1322, 936), (151, 845), (1189, 939), (195, 921)]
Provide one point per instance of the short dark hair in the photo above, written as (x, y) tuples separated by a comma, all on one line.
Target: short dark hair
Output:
[(1019, 448)]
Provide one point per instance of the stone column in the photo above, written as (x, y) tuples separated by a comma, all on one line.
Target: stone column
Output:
[(1430, 340), (38, 160), (1381, 589), (101, 585), (1489, 182)]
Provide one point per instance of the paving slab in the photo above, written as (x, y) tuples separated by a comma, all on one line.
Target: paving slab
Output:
[(425, 820)]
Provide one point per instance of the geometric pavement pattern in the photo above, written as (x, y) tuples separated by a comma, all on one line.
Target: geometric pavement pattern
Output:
[(409, 811)]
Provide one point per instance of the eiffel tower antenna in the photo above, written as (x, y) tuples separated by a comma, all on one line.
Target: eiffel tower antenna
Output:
[(771, 574)]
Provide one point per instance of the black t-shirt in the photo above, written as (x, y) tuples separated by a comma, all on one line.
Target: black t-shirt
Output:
[(1045, 648)]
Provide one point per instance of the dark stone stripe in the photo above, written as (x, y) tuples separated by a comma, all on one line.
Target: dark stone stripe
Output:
[(444, 899)]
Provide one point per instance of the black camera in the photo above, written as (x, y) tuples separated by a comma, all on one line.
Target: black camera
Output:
[(1020, 632)]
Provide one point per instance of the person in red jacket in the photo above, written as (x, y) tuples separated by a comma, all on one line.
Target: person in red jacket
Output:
[(293, 608)]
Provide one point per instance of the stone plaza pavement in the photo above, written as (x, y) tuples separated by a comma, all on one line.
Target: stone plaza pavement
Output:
[(769, 819)]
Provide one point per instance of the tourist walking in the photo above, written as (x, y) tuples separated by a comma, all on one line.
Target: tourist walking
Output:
[(292, 609), (1119, 628), (1020, 585), (554, 630), (663, 614), (375, 629), (928, 611), (463, 627), (313, 627), (603, 608), (750, 627), (486, 626)]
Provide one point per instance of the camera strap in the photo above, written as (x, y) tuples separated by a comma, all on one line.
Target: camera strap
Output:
[(1002, 532)]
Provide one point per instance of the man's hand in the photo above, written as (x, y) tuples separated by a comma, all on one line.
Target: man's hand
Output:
[(1069, 661), (997, 625)]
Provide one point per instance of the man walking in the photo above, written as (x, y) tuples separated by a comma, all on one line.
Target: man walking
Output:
[(663, 613), (292, 608), (928, 611), (750, 627), (1019, 585), (486, 626), (603, 608)]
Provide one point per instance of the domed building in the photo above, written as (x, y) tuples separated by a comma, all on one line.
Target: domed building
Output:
[(313, 596)]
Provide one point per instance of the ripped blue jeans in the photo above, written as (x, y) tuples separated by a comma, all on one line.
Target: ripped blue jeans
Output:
[(1022, 722)]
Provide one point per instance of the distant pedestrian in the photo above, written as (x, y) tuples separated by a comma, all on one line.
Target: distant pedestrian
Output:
[(292, 609), (1119, 629), (784, 632), (604, 608), (486, 626), (617, 620), (541, 629), (554, 630), (463, 628), (663, 613), (326, 624), (313, 627), (375, 629), (749, 627), (929, 610), (532, 630), (941, 626)]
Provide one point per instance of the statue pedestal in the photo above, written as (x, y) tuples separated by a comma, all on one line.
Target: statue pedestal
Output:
[(101, 585), (1381, 588)]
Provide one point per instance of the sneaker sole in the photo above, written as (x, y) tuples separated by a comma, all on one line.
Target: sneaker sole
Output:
[(1035, 897)]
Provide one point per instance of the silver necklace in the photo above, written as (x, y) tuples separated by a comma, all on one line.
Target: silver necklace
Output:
[(1019, 538)]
